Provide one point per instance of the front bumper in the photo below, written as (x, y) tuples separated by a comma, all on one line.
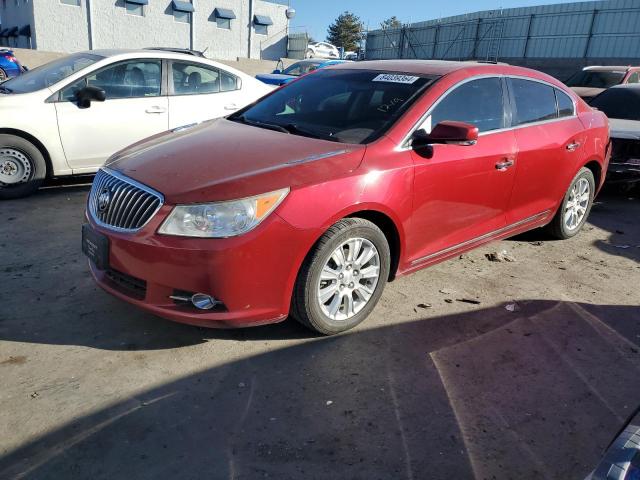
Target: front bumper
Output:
[(253, 274)]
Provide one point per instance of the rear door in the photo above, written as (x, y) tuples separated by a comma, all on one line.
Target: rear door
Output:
[(462, 192), (201, 92), (550, 137), (135, 108)]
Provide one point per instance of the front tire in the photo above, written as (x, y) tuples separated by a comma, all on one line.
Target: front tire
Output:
[(342, 278), (22, 167), (576, 206)]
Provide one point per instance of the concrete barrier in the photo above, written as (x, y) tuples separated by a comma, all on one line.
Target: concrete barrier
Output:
[(35, 58)]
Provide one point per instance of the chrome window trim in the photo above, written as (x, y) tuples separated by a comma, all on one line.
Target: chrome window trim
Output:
[(404, 146), (134, 183)]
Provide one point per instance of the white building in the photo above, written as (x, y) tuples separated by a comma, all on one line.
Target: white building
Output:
[(226, 29)]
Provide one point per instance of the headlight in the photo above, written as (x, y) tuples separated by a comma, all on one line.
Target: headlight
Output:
[(222, 219)]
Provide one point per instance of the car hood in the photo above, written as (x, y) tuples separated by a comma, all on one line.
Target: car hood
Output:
[(275, 78), (587, 92), (224, 160), (627, 129)]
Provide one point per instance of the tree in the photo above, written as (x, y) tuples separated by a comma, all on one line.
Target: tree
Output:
[(392, 22), (347, 31)]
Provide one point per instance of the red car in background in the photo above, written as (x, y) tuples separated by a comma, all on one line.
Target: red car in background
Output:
[(307, 202)]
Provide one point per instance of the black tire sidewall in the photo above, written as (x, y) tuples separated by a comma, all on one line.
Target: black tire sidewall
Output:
[(38, 166), (588, 175), (316, 317)]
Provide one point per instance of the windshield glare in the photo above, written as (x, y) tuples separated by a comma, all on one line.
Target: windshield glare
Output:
[(50, 73), (623, 103), (348, 106), (595, 79)]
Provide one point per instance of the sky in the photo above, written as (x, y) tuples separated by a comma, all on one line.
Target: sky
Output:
[(314, 16)]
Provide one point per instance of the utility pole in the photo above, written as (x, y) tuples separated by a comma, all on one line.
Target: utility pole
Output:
[(250, 25)]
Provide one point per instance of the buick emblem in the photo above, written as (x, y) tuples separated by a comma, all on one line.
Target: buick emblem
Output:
[(104, 199)]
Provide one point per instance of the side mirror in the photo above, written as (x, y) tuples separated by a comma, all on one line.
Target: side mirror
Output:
[(448, 132), (89, 94)]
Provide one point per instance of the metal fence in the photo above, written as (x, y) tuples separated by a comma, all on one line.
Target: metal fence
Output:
[(297, 46), (600, 29)]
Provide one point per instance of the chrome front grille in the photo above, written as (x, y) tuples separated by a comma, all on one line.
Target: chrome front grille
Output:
[(120, 203)]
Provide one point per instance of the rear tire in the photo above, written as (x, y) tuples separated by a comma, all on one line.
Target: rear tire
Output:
[(342, 278), (3, 75), (575, 207), (22, 167)]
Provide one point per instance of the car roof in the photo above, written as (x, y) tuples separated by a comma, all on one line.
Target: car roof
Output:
[(629, 86), (608, 68), (113, 52), (430, 67)]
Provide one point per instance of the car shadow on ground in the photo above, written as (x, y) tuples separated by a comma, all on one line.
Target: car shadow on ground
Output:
[(533, 393)]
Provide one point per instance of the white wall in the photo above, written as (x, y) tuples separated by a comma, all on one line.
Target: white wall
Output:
[(65, 28)]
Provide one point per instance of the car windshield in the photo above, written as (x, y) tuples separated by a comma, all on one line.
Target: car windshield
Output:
[(50, 73), (620, 102), (595, 79), (347, 106), (301, 68)]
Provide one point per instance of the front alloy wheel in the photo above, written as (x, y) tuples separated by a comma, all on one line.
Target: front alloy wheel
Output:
[(342, 278), (22, 167)]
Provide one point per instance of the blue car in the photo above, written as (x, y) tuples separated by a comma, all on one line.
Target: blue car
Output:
[(280, 77), (9, 65)]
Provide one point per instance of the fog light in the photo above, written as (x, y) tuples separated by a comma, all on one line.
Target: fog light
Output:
[(203, 301)]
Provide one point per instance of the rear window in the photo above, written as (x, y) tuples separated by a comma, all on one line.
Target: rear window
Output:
[(619, 102), (596, 79), (535, 101), (347, 106)]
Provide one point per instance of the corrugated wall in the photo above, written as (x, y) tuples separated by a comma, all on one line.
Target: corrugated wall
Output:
[(601, 29)]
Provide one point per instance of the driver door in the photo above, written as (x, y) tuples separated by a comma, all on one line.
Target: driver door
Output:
[(462, 192), (135, 108)]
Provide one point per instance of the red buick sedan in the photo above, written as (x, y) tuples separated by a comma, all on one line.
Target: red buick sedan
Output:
[(309, 201)]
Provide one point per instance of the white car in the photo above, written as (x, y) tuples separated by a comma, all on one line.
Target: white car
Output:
[(322, 50), (68, 116)]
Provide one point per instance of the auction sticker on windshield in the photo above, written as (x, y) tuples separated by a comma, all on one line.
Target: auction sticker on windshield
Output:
[(394, 78)]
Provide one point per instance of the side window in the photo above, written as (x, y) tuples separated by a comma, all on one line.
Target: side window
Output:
[(133, 79), (634, 78), (192, 79), (478, 102), (228, 82), (565, 104), (535, 101)]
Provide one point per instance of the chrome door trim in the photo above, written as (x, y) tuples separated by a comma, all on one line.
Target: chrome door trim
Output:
[(493, 233)]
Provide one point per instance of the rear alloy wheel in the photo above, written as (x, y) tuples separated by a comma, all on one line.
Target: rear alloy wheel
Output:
[(343, 277), (3, 75), (22, 167), (576, 205)]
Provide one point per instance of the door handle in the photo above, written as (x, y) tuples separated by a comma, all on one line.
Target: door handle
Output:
[(503, 165), (573, 146), (156, 109), (231, 106)]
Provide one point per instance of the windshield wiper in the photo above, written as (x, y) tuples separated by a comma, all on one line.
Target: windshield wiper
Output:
[(296, 130), (255, 123)]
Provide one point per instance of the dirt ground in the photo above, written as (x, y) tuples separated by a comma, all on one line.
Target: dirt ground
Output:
[(531, 382)]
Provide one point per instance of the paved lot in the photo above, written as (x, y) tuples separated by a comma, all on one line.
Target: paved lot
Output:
[(91, 388)]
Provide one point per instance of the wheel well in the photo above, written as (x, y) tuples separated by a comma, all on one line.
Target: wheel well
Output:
[(36, 142), (596, 170), (388, 227)]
